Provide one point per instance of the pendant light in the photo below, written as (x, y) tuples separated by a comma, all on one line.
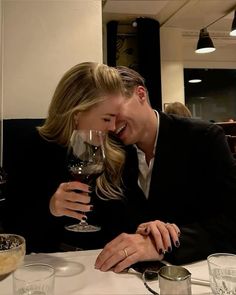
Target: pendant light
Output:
[(205, 44), (233, 28), (195, 76)]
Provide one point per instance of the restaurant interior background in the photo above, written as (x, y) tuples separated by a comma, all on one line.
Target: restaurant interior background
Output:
[(42, 39), (214, 98)]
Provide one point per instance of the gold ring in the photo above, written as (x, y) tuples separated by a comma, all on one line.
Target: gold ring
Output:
[(125, 252)]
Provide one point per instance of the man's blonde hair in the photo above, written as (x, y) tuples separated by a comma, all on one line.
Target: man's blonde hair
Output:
[(131, 79)]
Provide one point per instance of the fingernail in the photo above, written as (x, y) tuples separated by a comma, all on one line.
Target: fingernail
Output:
[(146, 230), (177, 244), (160, 251), (84, 218), (169, 249)]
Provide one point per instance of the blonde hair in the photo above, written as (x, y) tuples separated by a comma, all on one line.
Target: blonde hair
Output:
[(177, 108), (131, 79), (81, 88)]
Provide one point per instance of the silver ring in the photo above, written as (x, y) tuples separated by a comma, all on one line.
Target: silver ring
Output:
[(125, 252)]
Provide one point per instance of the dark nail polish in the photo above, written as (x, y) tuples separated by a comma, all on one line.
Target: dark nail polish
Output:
[(177, 244), (169, 249), (160, 251), (84, 218), (146, 230)]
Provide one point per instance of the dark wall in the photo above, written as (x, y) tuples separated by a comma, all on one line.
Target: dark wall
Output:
[(148, 64)]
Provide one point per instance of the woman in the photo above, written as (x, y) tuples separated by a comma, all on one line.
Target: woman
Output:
[(88, 96), (179, 109)]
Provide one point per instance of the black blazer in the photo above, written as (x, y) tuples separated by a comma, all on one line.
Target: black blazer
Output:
[(193, 184)]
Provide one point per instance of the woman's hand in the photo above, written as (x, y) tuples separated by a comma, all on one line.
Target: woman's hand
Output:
[(125, 250), (164, 234), (71, 199)]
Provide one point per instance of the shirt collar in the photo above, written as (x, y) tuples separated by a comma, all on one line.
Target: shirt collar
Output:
[(157, 133)]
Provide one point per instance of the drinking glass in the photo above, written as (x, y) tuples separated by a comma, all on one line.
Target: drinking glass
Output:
[(34, 279), (222, 273), (85, 163)]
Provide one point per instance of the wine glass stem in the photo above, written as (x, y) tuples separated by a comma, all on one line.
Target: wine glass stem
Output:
[(83, 222)]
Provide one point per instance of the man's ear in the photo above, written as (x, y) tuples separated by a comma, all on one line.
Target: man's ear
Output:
[(76, 119), (142, 93)]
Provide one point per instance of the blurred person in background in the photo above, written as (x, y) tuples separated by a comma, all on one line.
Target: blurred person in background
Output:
[(178, 108)]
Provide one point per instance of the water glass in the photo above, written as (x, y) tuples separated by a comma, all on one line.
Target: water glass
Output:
[(222, 273), (34, 279)]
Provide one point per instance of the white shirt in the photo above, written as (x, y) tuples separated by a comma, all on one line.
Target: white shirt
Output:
[(145, 170)]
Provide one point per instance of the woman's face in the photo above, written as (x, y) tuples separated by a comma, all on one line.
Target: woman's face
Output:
[(102, 116)]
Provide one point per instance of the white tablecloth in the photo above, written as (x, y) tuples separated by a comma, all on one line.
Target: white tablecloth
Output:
[(75, 275)]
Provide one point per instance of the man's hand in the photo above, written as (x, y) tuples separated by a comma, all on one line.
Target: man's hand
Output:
[(125, 250)]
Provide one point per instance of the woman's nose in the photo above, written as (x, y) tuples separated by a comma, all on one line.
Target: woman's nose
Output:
[(112, 125)]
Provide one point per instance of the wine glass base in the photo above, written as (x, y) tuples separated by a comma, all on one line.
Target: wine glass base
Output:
[(87, 228)]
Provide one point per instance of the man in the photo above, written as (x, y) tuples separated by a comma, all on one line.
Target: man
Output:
[(180, 175)]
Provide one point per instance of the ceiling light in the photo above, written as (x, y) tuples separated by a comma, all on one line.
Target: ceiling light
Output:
[(195, 80), (233, 28), (205, 44), (195, 76), (134, 24)]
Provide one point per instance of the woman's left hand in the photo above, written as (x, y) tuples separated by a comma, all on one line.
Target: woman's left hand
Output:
[(164, 234)]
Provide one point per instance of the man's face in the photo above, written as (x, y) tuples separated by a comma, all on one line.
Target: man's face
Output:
[(130, 122)]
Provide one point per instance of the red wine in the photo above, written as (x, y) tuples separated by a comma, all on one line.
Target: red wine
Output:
[(86, 178), (85, 172)]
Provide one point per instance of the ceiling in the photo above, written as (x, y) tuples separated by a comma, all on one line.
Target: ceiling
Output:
[(188, 15)]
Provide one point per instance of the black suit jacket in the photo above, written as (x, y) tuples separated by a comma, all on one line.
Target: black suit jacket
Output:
[(193, 184)]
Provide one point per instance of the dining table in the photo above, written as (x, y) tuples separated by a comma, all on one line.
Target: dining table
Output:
[(75, 274)]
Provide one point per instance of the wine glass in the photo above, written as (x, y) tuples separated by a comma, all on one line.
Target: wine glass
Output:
[(3, 182), (85, 164)]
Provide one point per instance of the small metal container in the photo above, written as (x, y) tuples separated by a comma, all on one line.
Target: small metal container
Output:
[(173, 280)]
